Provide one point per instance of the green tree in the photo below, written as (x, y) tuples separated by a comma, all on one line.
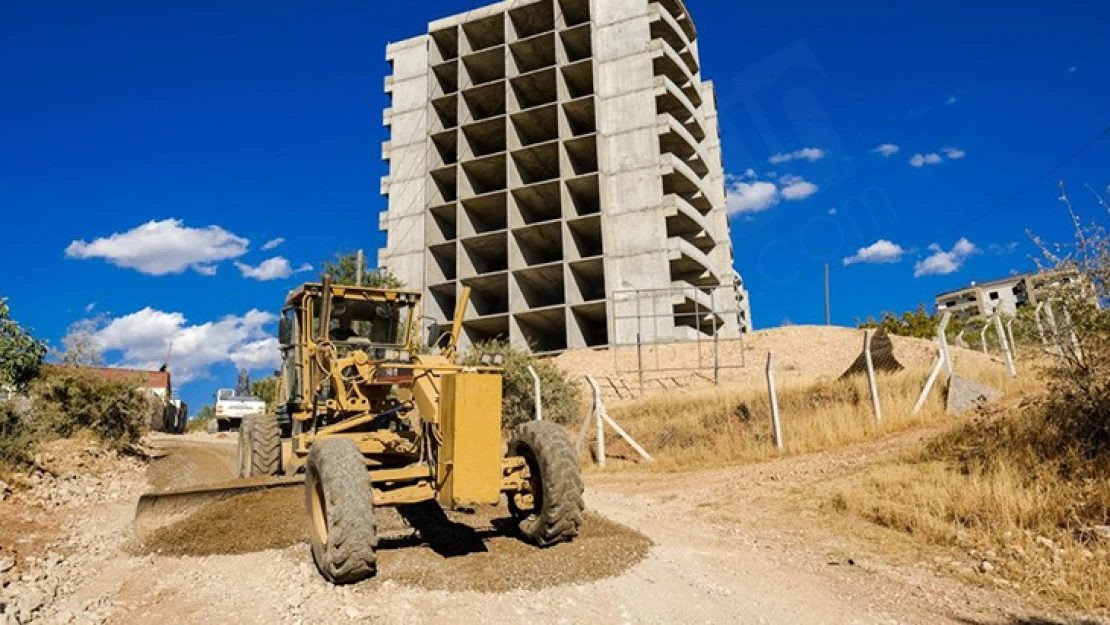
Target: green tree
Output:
[(266, 390), (199, 421), (344, 270), (917, 323), (20, 353)]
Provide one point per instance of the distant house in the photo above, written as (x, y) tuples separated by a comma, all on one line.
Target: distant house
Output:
[(172, 415), (1006, 296), (156, 382)]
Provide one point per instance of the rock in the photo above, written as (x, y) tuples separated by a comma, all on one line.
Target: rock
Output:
[(985, 567), (966, 394), (6, 564), (1047, 543), (30, 601)]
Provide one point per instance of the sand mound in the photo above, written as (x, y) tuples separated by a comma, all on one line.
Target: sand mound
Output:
[(803, 355)]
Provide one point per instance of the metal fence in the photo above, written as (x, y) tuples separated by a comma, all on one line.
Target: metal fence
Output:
[(684, 329)]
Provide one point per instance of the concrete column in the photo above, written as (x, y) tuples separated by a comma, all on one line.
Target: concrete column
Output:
[(628, 150)]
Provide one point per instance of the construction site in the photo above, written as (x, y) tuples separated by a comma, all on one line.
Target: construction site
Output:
[(562, 159)]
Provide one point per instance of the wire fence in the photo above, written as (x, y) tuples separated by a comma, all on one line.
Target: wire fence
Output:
[(692, 330)]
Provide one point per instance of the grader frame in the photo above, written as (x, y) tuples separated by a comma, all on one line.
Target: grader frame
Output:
[(359, 393)]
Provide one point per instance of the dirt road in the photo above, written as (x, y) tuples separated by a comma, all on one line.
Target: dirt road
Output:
[(720, 547)]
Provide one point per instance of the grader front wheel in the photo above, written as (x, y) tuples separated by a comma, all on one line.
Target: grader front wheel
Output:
[(341, 511), (551, 511)]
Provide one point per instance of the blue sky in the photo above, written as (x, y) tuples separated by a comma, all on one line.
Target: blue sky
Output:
[(221, 127)]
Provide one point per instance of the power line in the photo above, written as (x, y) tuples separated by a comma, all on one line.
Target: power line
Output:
[(1024, 189)]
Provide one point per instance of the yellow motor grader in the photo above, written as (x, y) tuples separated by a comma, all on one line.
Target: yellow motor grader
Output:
[(372, 419)]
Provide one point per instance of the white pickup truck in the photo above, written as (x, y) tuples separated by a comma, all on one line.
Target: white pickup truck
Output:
[(231, 408)]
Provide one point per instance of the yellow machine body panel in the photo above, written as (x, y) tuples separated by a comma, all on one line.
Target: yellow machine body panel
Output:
[(469, 471)]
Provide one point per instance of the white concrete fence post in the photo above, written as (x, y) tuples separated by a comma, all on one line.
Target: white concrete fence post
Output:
[(1053, 329), (1010, 336), (1073, 338), (942, 337), (1040, 326), (871, 376), (536, 393), (931, 381), (1005, 345), (602, 418), (776, 423)]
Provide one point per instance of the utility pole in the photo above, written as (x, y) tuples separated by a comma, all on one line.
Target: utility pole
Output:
[(358, 269), (828, 306)]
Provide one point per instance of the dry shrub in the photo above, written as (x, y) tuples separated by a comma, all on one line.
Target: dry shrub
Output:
[(1026, 488), (67, 400), (560, 398), (16, 438), (723, 427), (1009, 490)]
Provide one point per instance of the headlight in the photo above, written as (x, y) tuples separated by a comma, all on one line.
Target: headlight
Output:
[(486, 359), (498, 360), (405, 355)]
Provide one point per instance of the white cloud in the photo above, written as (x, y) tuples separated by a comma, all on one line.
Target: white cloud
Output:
[(1072, 69), (759, 195), (881, 251), (796, 188), (951, 100), (749, 174), (272, 243), (833, 211), (809, 154), (90, 307), (751, 197), (941, 262), (954, 153), (260, 354), (920, 160), (887, 150), (275, 268), (163, 247), (1002, 250), (142, 339)]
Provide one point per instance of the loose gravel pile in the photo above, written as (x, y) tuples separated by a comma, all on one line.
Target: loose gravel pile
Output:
[(421, 546)]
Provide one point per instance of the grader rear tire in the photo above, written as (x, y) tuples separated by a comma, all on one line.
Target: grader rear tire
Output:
[(555, 483), (265, 436), (341, 512), (259, 446)]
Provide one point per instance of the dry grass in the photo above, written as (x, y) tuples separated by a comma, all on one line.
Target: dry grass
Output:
[(1007, 490), (733, 426)]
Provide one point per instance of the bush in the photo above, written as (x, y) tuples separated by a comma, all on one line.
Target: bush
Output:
[(16, 438), (561, 399), (67, 400), (199, 422), (912, 323)]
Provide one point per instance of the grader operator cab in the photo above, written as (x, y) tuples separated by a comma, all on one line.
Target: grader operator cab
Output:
[(375, 421)]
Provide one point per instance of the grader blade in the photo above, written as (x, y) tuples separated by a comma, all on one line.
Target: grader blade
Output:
[(160, 509)]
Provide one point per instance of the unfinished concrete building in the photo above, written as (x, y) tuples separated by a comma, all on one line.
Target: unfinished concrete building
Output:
[(561, 158)]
